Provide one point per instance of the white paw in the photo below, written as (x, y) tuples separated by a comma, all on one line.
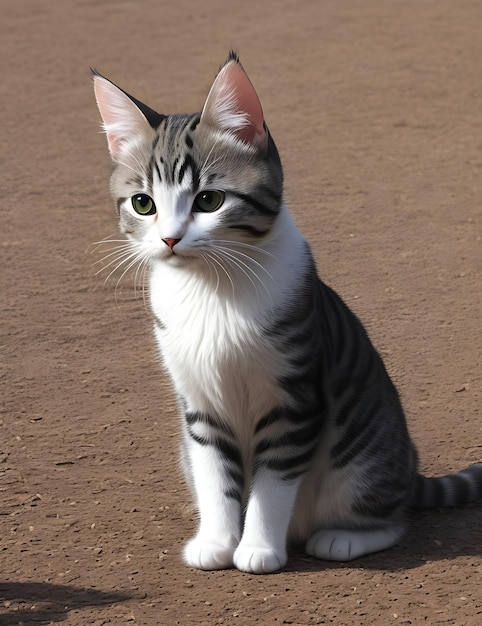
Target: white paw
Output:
[(331, 545), (259, 560), (345, 545), (208, 555)]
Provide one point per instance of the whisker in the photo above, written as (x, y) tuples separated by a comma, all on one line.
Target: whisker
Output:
[(141, 273), (245, 268), (138, 257), (127, 259), (145, 267), (126, 254), (250, 258), (234, 262), (112, 252), (248, 246), (108, 239), (211, 267), (214, 256)]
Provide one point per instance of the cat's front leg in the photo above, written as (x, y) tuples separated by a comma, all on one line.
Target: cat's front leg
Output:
[(286, 441), (216, 473), (263, 545)]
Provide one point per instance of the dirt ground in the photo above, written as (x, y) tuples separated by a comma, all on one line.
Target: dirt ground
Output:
[(376, 110)]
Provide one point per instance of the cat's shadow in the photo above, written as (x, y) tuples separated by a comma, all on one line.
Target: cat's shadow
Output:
[(46, 603), (434, 535)]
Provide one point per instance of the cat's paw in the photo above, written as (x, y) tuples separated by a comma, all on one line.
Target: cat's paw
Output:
[(209, 555), (259, 560), (346, 545)]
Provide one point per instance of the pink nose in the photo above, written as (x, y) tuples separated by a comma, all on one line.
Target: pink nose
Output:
[(171, 242)]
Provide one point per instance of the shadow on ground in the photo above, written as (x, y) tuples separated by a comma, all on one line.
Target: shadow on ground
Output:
[(432, 536), (45, 603)]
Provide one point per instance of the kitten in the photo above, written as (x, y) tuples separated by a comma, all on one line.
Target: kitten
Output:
[(292, 428)]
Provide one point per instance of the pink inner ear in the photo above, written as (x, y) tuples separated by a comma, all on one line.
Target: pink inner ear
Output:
[(122, 119), (248, 102)]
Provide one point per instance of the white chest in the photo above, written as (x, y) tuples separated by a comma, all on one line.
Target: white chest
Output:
[(216, 352)]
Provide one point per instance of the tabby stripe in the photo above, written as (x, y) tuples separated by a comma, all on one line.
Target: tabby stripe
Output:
[(205, 418), (272, 193), (349, 404), (250, 229), (195, 122), (233, 494), (136, 181), (173, 170), (304, 417), (182, 171), (286, 464), (276, 415), (158, 170), (298, 438), (450, 490), (189, 163), (358, 434), (120, 201), (383, 509), (236, 476), (256, 204), (366, 444), (227, 449)]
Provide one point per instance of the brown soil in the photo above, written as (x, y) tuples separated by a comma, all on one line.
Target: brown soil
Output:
[(376, 109)]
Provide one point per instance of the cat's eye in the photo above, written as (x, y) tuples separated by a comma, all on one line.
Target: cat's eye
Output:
[(143, 204), (208, 201)]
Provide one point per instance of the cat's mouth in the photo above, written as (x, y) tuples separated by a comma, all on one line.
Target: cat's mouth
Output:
[(178, 257)]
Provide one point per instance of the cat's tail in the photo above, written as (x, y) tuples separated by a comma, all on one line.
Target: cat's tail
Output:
[(450, 490)]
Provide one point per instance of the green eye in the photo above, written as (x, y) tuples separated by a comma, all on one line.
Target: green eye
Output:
[(208, 201), (143, 204)]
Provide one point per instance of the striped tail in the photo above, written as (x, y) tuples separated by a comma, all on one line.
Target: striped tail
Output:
[(450, 490)]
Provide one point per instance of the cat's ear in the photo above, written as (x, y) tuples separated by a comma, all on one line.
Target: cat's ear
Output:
[(232, 105), (124, 118)]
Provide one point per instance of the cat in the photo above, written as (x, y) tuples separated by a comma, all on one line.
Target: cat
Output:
[(293, 432)]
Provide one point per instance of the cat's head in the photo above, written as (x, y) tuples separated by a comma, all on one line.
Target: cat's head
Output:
[(188, 185)]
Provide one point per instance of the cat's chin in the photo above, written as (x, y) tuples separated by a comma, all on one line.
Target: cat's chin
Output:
[(178, 259)]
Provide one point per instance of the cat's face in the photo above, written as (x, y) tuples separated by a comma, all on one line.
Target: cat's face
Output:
[(189, 187)]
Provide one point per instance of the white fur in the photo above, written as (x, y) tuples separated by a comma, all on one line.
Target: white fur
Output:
[(346, 545), (212, 342), (213, 346)]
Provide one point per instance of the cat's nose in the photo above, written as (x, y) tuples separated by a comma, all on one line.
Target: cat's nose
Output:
[(171, 242)]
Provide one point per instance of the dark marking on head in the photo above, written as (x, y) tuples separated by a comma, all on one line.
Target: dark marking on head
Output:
[(250, 229), (158, 170), (190, 163), (173, 170), (256, 204), (120, 201), (135, 181), (195, 122)]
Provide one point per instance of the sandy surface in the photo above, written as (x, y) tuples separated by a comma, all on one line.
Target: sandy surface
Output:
[(376, 110)]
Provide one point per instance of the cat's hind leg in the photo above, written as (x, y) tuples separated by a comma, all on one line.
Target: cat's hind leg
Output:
[(332, 544)]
